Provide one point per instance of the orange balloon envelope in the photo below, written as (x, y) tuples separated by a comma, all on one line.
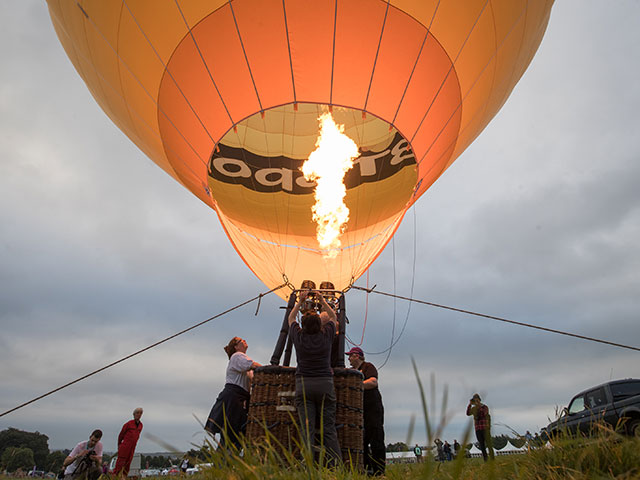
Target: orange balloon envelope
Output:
[(225, 97)]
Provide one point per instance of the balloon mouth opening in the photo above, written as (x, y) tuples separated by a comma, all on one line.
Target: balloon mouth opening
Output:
[(255, 174)]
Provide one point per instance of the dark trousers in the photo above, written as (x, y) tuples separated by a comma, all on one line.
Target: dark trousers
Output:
[(374, 447), (92, 472), (484, 439), (316, 398), (229, 415)]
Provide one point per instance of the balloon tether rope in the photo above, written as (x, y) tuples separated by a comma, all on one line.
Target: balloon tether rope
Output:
[(257, 297), (499, 319)]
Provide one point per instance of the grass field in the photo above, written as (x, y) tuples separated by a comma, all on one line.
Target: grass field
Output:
[(609, 456)]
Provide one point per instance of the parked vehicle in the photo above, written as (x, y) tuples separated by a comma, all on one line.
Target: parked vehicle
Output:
[(150, 472), (134, 471), (36, 473), (615, 403)]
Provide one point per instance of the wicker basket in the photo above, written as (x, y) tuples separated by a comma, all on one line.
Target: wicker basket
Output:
[(272, 406), (349, 421)]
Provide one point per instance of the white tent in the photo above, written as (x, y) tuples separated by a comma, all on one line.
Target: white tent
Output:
[(475, 451), (401, 457)]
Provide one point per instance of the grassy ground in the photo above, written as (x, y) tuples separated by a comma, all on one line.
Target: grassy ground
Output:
[(608, 456)]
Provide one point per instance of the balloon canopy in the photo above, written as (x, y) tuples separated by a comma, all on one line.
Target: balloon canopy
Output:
[(225, 97)]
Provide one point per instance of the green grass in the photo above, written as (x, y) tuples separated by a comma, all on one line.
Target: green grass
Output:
[(608, 455)]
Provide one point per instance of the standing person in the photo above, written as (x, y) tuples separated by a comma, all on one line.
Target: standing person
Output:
[(374, 448), (417, 451), (185, 465), (439, 449), (456, 447), (447, 451), (482, 422), (315, 394), (127, 441), (228, 415), (85, 459)]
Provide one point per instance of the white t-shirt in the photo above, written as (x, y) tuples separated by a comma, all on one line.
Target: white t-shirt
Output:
[(238, 371), (76, 450)]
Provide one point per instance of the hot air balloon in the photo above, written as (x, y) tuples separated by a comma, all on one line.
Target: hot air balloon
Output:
[(225, 96)]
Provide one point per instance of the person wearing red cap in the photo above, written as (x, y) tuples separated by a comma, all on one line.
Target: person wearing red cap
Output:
[(374, 448)]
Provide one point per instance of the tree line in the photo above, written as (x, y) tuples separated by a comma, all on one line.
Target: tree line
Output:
[(24, 450)]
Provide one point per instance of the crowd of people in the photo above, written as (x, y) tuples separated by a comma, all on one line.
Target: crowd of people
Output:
[(315, 398), (313, 338)]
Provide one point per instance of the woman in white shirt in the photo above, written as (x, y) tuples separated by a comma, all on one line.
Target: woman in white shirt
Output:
[(228, 416)]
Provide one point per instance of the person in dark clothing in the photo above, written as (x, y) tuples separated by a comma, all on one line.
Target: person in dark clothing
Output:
[(439, 450), (228, 415), (374, 448), (446, 448), (456, 447), (482, 422), (315, 394)]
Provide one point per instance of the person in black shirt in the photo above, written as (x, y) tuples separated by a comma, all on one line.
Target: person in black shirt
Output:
[(374, 449), (315, 394)]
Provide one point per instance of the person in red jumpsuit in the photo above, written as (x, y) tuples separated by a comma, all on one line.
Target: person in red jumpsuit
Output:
[(127, 443)]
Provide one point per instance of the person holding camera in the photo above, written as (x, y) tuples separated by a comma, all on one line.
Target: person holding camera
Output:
[(315, 394), (482, 422), (85, 459), (127, 440)]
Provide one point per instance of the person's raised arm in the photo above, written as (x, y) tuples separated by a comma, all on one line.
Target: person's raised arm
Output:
[(296, 308), (326, 308)]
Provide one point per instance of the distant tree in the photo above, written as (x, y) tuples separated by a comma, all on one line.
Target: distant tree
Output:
[(155, 461), (14, 458), (54, 461), (202, 454), (397, 447), (499, 441), (517, 442), (37, 442)]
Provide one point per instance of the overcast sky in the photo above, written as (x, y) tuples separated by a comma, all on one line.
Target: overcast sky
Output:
[(102, 253)]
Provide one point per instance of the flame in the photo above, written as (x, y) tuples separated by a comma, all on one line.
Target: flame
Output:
[(327, 165)]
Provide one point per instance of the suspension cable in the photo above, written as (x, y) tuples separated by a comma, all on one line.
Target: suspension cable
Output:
[(257, 297), (500, 319)]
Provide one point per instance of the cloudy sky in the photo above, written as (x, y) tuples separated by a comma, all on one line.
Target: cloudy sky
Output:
[(102, 253)]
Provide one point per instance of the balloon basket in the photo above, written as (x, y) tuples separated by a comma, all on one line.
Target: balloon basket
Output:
[(272, 409)]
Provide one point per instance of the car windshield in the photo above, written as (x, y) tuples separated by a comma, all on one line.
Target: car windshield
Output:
[(577, 405)]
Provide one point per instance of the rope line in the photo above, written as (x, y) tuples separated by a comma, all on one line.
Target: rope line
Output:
[(500, 319), (140, 351), (393, 325), (413, 279)]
